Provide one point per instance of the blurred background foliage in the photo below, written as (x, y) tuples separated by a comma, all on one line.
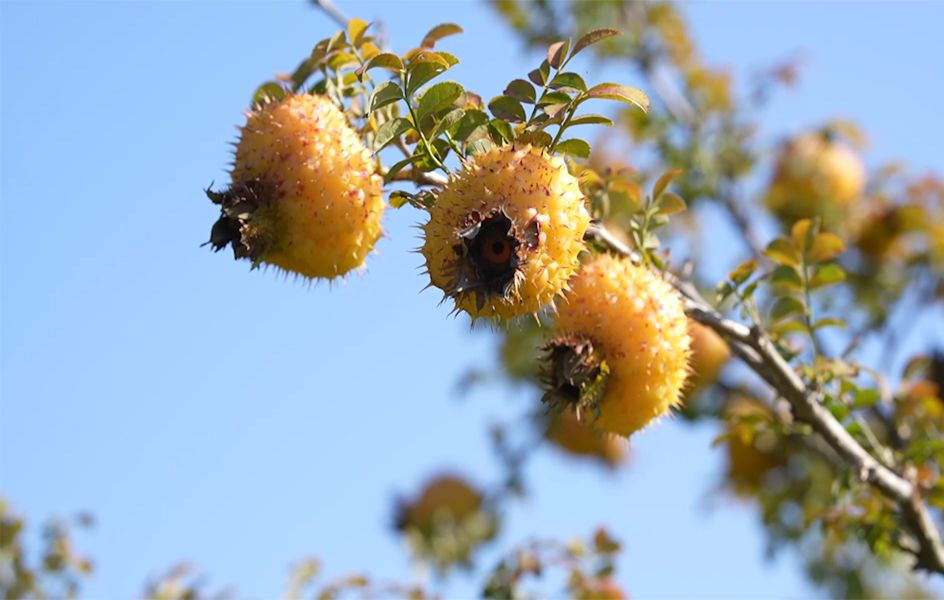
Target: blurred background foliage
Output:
[(833, 255)]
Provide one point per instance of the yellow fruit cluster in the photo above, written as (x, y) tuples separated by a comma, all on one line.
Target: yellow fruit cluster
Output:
[(622, 346), (306, 195), (505, 232), (814, 176)]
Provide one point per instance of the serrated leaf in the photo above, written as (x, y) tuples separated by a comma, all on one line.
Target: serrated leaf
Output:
[(539, 76), (590, 120), (574, 147), (449, 119), (557, 52), (521, 90), (501, 131), (386, 93), (267, 92), (592, 37), (743, 271), (663, 182), (390, 131), (784, 252), (568, 80), (384, 60), (439, 32), (437, 97), (784, 307), (787, 276), (670, 203), (355, 29), (554, 98), (827, 274), (615, 91), (472, 120), (824, 247), (421, 73), (507, 108)]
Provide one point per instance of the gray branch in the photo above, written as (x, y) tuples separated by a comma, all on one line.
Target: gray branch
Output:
[(754, 347)]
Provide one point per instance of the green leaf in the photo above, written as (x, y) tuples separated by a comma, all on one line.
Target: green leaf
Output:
[(355, 29), (539, 76), (743, 272), (670, 203), (590, 120), (865, 398), (824, 247), (507, 108), (519, 89), (427, 57), (501, 131), (302, 73), (801, 232), (399, 166), (568, 80), (784, 252), (536, 138), (270, 91), (788, 277), (478, 146), (336, 41), (663, 182), (615, 91), (574, 147), (449, 119), (384, 60), (398, 198), (439, 32), (437, 97), (784, 307), (386, 93), (390, 131), (557, 52), (827, 274), (421, 73), (554, 98), (829, 323), (592, 37), (469, 123), (449, 58), (341, 59)]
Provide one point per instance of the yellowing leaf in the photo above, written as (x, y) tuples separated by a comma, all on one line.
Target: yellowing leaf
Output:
[(825, 246)]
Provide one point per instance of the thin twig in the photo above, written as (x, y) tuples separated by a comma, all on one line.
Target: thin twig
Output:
[(752, 345)]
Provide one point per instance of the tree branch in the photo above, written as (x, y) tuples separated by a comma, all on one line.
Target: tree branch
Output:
[(754, 347)]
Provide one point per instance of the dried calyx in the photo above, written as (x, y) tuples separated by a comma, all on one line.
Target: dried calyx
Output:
[(238, 205), (575, 376), (489, 254)]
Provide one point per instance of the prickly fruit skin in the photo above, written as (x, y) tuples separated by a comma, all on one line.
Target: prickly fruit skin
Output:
[(636, 325), (580, 439), (709, 355), (504, 235), (815, 176), (316, 198)]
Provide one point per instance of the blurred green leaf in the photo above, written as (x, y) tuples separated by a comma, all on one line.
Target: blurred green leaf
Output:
[(670, 203), (439, 32), (784, 307), (574, 147), (557, 52), (784, 252), (827, 274), (743, 272), (615, 91), (824, 247), (592, 37)]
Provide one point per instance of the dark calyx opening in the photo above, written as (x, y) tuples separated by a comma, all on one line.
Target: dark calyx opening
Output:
[(574, 375), (238, 204), (490, 252)]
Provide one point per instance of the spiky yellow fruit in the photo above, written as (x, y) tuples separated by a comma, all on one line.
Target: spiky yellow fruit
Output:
[(815, 176), (306, 195), (621, 351), (505, 232), (569, 434), (709, 355)]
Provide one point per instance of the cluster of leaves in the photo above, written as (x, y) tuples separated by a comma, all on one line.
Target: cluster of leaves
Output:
[(589, 567), (791, 288), (57, 570)]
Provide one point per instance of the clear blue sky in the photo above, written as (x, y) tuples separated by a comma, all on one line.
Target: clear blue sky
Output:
[(240, 420)]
